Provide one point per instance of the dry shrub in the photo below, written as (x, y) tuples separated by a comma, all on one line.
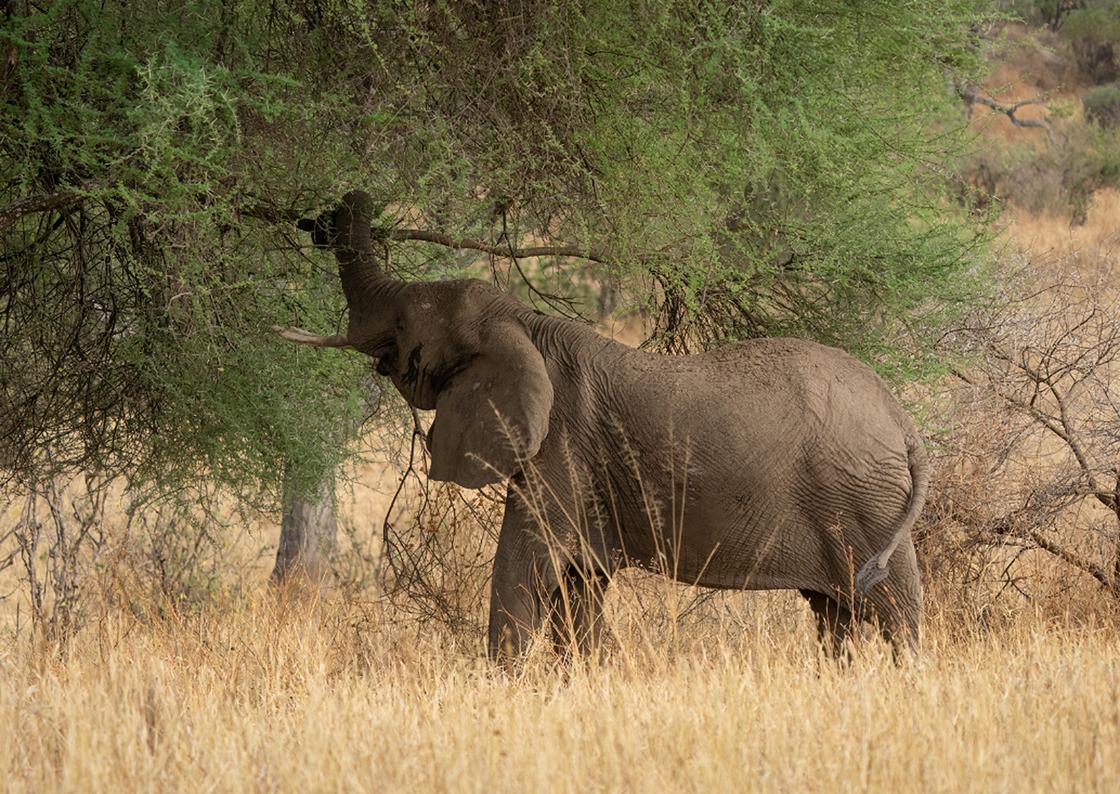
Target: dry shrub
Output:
[(1036, 178), (54, 542), (1026, 507), (437, 559), (75, 551)]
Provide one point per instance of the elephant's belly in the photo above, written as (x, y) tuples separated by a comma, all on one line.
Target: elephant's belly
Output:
[(774, 518), (741, 546)]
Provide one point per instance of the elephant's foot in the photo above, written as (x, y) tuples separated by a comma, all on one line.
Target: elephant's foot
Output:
[(512, 626), (577, 614), (835, 624)]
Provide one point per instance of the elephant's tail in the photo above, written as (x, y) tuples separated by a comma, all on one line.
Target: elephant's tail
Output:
[(875, 569)]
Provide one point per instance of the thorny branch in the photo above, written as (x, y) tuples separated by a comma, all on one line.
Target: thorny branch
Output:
[(273, 214)]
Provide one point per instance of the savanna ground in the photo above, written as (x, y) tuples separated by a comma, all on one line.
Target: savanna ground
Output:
[(211, 680)]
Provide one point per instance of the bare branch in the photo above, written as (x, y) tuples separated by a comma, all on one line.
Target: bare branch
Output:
[(1064, 554), (1050, 360), (38, 202), (972, 96)]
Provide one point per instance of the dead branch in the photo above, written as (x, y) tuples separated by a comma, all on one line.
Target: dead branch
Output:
[(1075, 560), (38, 202), (972, 96), (1050, 361)]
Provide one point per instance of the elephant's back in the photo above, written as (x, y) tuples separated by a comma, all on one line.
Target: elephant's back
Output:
[(773, 404), (760, 376)]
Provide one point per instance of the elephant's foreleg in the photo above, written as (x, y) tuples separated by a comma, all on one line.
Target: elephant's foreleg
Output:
[(515, 614), (577, 612), (525, 576), (835, 622)]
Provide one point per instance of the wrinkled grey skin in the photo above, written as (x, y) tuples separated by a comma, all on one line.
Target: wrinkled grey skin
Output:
[(769, 464)]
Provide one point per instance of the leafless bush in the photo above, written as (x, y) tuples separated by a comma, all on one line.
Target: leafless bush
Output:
[(437, 564), (76, 548), (1031, 464), (435, 555), (175, 552), (57, 538)]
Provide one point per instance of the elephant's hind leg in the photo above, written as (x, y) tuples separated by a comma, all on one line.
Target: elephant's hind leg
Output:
[(898, 611), (577, 612), (834, 622), (896, 603)]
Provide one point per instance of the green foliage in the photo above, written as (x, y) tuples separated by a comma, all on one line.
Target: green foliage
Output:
[(745, 168), (1102, 105), (138, 317)]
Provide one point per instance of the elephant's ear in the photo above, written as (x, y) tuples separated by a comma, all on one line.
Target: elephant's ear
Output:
[(492, 415)]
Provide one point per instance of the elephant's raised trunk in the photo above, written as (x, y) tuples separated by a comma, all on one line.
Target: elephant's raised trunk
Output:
[(353, 248), (346, 231)]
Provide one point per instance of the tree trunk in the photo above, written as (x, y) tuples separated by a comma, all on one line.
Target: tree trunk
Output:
[(308, 533), (608, 298), (1116, 551)]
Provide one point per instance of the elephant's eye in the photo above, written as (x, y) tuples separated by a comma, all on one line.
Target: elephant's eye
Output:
[(387, 362)]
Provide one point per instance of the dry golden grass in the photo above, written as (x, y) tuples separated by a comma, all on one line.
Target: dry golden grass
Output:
[(1056, 244), (270, 696)]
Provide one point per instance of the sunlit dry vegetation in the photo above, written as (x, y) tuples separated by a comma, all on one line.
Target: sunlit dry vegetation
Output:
[(150, 638), (268, 696), (220, 682)]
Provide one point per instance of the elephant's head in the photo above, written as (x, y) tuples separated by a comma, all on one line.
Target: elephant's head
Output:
[(460, 347)]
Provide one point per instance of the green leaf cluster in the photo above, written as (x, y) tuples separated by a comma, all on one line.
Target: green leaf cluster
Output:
[(742, 168)]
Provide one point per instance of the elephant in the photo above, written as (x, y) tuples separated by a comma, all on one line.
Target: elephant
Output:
[(773, 463)]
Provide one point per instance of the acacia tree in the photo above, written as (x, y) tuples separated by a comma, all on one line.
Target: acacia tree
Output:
[(735, 169)]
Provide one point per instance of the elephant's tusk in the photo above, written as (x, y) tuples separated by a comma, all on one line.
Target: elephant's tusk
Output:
[(302, 337)]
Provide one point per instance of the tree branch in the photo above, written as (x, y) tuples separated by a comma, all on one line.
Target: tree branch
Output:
[(38, 202), (278, 215), (1067, 556), (972, 96), (467, 243)]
